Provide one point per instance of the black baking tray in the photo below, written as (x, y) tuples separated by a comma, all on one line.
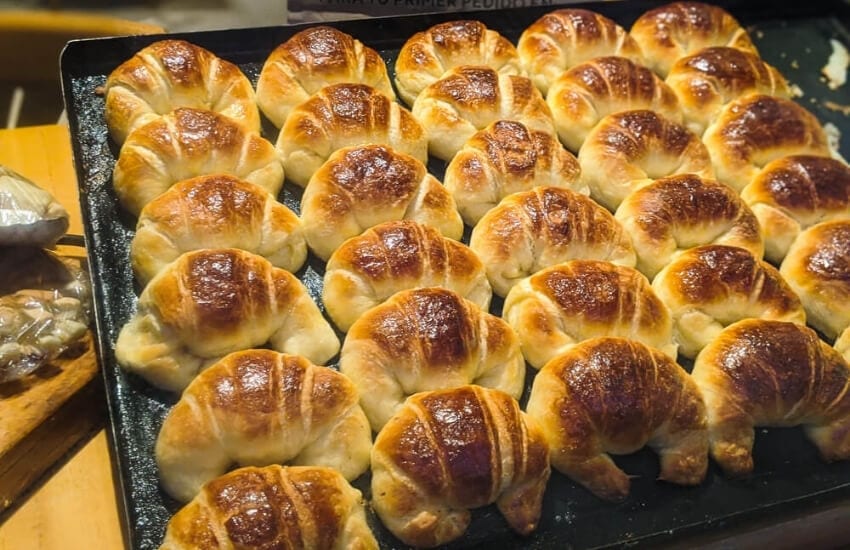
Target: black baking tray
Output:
[(789, 478)]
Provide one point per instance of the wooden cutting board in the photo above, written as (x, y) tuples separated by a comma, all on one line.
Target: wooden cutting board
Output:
[(49, 412)]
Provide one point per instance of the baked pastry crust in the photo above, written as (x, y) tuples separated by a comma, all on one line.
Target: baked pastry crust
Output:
[(171, 74), (362, 186), (566, 304), (615, 395), (427, 55), (769, 373), (310, 60)]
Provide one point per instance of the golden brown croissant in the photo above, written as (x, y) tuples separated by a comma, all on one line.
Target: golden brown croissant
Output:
[(503, 158), (755, 129), (531, 230), (170, 74), (362, 186), (630, 149), (428, 339), (187, 143), (615, 395), (793, 193), (394, 256), (563, 38), (214, 301), (343, 115), (470, 97), (677, 29), (709, 287), (770, 373), (311, 59), (817, 268), (273, 507), (427, 55), (258, 407), (589, 91), (215, 211), (563, 305), (683, 211), (710, 78), (446, 452)]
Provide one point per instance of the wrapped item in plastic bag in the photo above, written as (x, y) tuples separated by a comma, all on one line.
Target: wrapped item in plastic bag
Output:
[(29, 215), (45, 308)]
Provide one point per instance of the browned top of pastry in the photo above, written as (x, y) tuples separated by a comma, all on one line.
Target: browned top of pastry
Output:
[(732, 69), (804, 183), (630, 133), (827, 257)]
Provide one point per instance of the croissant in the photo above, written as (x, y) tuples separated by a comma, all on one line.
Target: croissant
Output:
[(615, 395), (709, 287), (260, 407), (187, 143), (710, 78), (343, 115), (629, 149), (793, 193), (563, 38), (311, 59), (817, 268), (214, 301), (470, 97), (589, 91), (394, 256), (171, 74), (273, 507), (672, 31), (531, 230), (755, 129), (563, 305), (507, 157), (427, 55), (770, 373), (679, 212), (428, 339), (362, 186), (446, 452), (215, 211)]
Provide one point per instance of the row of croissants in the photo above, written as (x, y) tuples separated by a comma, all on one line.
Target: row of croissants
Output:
[(629, 198)]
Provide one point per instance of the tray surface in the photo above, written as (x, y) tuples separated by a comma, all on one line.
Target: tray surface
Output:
[(789, 476)]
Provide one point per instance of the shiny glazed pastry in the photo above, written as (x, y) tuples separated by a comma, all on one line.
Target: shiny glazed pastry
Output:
[(630, 149), (362, 186), (589, 91), (710, 287), (672, 31), (187, 143), (171, 74), (274, 506), (344, 115), (563, 305), (311, 59), (532, 230), (469, 98), (427, 55), (614, 396), (712, 77), (428, 339), (447, 452), (215, 211), (563, 38), (214, 301), (259, 407), (817, 268), (504, 158), (679, 212), (792, 193), (769, 373), (753, 130), (394, 256)]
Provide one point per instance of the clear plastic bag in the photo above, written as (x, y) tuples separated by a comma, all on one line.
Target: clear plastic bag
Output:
[(29, 215)]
